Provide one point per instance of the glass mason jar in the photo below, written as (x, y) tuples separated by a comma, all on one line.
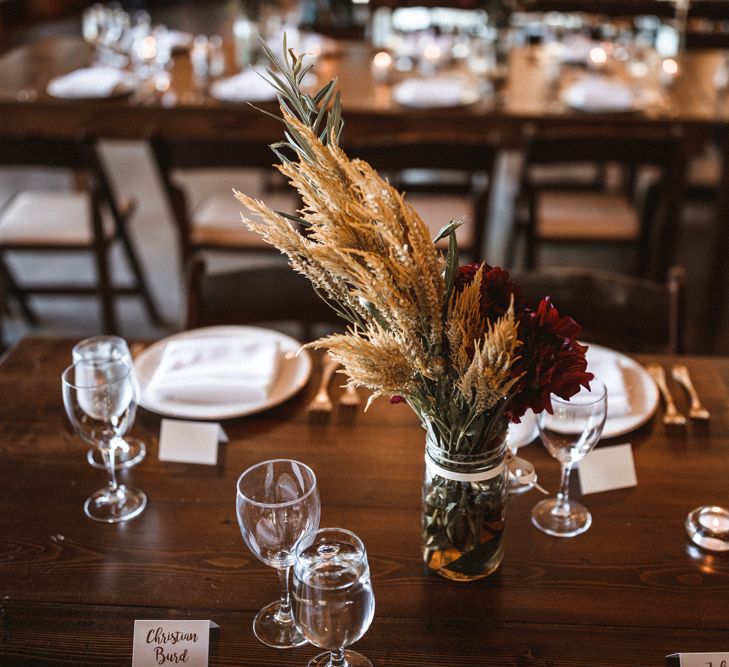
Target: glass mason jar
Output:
[(464, 510)]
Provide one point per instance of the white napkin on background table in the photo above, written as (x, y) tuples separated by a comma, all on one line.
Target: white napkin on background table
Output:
[(248, 86), (91, 82), (598, 94), (606, 367), (436, 92), (216, 370)]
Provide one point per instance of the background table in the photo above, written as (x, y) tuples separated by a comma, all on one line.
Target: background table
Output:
[(628, 592)]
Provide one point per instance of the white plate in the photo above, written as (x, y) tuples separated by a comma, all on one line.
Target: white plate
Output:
[(293, 376), (523, 433), (435, 93), (642, 393)]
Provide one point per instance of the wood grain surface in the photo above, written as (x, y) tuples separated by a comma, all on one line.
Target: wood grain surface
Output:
[(628, 592)]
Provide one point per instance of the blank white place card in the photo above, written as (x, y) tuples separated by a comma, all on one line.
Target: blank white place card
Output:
[(607, 468), (190, 442), (170, 642), (698, 659)]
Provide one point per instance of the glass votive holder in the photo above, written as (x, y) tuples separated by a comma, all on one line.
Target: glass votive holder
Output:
[(708, 527)]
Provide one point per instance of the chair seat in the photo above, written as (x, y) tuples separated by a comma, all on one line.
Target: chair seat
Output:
[(217, 222), (586, 216), (36, 218)]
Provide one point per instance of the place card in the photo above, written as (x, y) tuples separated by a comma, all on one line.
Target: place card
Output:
[(171, 642), (607, 468), (698, 660), (190, 442)]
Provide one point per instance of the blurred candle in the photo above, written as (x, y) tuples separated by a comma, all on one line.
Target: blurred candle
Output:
[(598, 57), (669, 71), (430, 59), (148, 49), (381, 67)]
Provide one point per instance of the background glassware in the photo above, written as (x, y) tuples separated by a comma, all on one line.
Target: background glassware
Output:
[(129, 451), (569, 435), (333, 595), (100, 401), (277, 504)]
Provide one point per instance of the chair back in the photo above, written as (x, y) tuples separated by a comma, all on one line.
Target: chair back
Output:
[(247, 296), (632, 148), (622, 312)]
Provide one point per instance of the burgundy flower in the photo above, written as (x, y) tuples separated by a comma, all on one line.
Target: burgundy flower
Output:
[(551, 361)]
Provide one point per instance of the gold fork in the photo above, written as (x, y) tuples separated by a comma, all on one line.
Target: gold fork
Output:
[(671, 415), (321, 402), (680, 373)]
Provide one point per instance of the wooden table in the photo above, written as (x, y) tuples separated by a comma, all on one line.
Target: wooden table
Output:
[(628, 592)]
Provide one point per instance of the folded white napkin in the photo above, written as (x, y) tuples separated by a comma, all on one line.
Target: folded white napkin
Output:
[(248, 86), (92, 82), (437, 91), (597, 94), (607, 368), (216, 370)]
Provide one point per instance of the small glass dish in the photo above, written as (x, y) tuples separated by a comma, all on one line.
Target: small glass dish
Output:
[(708, 527)]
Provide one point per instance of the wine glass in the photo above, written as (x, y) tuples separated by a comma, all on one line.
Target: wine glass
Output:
[(100, 401), (129, 451), (333, 595), (569, 434), (277, 504)]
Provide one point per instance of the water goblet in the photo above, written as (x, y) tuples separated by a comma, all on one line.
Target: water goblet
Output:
[(277, 505), (129, 451), (333, 596), (100, 401), (569, 434)]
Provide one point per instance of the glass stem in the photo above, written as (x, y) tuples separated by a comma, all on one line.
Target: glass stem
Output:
[(284, 615), (108, 453), (562, 506), (337, 659)]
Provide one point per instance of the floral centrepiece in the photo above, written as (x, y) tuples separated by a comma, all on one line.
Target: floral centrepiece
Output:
[(460, 345)]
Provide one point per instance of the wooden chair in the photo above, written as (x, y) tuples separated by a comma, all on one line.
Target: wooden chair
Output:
[(215, 224), (623, 312), (436, 177), (261, 294), (89, 219), (645, 217)]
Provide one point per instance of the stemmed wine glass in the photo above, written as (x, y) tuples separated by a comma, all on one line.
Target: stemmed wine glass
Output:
[(277, 505), (333, 596), (130, 451), (569, 434), (100, 401)]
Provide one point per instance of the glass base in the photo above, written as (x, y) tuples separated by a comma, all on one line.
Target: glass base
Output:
[(708, 527), (517, 488), (577, 519), (129, 452), (269, 630), (109, 506), (353, 659)]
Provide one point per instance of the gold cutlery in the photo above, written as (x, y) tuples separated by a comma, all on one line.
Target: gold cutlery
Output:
[(322, 402), (350, 398), (680, 373), (671, 415)]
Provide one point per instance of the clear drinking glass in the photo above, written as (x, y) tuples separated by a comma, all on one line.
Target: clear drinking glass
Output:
[(277, 504), (129, 451), (569, 434), (100, 401), (333, 596)]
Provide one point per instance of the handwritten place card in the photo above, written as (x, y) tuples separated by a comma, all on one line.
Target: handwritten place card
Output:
[(607, 468), (190, 442), (171, 643), (698, 660)]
